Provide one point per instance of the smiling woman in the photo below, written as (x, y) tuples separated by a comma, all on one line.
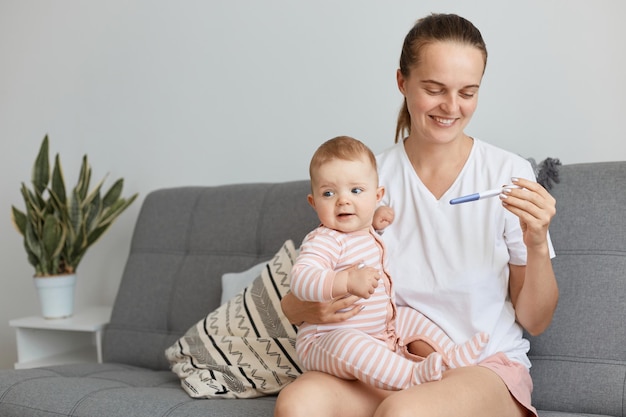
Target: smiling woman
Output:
[(437, 257)]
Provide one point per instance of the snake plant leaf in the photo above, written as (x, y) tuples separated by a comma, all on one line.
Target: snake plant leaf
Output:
[(114, 193), (58, 206), (41, 168), (92, 213), (57, 185), (76, 248), (53, 237), (34, 213), (92, 237), (32, 259), (88, 200), (97, 233), (34, 248), (112, 212), (107, 219), (33, 203), (75, 212), (19, 220), (84, 178)]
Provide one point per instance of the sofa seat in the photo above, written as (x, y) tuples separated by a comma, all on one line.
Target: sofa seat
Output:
[(113, 390)]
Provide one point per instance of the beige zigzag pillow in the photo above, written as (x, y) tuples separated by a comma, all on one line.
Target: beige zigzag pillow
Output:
[(245, 348)]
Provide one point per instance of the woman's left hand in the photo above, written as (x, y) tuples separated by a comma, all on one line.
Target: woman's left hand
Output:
[(534, 207), (533, 287)]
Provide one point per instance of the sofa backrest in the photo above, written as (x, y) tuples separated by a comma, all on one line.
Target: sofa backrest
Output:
[(579, 363), (185, 239)]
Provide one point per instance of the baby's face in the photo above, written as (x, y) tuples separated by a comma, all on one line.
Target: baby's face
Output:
[(345, 194)]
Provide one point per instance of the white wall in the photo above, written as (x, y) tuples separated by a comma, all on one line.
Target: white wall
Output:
[(167, 93)]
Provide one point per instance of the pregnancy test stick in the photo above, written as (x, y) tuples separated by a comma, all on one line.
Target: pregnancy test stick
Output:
[(481, 195)]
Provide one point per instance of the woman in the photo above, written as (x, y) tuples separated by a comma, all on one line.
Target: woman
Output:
[(480, 266)]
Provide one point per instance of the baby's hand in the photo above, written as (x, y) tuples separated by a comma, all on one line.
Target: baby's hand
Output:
[(383, 217), (362, 281)]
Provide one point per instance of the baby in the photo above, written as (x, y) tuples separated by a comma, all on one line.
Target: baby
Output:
[(387, 346)]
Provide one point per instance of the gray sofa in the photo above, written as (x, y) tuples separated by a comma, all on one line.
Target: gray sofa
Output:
[(186, 238)]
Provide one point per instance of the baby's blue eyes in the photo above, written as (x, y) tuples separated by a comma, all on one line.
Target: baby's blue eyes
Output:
[(332, 193)]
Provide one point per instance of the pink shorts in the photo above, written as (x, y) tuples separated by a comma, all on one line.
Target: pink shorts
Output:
[(515, 376)]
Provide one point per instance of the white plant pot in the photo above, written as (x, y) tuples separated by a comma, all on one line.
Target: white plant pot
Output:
[(56, 295)]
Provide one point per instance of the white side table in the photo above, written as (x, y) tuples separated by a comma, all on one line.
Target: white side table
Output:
[(44, 342)]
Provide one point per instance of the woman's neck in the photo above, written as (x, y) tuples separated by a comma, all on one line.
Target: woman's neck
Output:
[(438, 165)]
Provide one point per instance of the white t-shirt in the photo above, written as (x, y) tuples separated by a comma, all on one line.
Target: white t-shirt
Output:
[(450, 262)]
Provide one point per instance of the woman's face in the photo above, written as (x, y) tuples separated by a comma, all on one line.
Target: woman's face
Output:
[(441, 91)]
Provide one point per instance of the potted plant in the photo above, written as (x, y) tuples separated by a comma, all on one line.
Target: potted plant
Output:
[(59, 226)]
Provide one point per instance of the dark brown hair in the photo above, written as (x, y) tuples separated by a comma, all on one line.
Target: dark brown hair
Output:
[(429, 29)]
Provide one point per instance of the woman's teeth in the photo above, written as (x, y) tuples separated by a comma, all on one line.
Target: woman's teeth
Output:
[(443, 121)]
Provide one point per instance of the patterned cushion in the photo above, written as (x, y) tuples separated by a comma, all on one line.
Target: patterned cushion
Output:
[(245, 348)]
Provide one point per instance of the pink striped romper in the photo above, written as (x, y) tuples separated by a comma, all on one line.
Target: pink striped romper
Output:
[(370, 346)]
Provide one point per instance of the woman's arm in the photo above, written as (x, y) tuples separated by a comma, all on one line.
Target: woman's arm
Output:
[(534, 294), (533, 287), (298, 311)]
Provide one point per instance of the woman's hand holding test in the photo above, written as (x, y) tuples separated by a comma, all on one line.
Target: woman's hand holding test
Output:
[(535, 208), (533, 287)]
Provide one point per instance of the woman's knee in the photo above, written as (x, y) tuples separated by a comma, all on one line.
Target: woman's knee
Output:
[(301, 398), (319, 394), (292, 401), (393, 407)]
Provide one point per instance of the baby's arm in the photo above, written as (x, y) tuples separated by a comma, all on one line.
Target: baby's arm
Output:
[(356, 280), (314, 278), (383, 217), (309, 282)]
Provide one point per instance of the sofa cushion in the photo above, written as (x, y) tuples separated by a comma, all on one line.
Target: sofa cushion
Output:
[(246, 347)]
